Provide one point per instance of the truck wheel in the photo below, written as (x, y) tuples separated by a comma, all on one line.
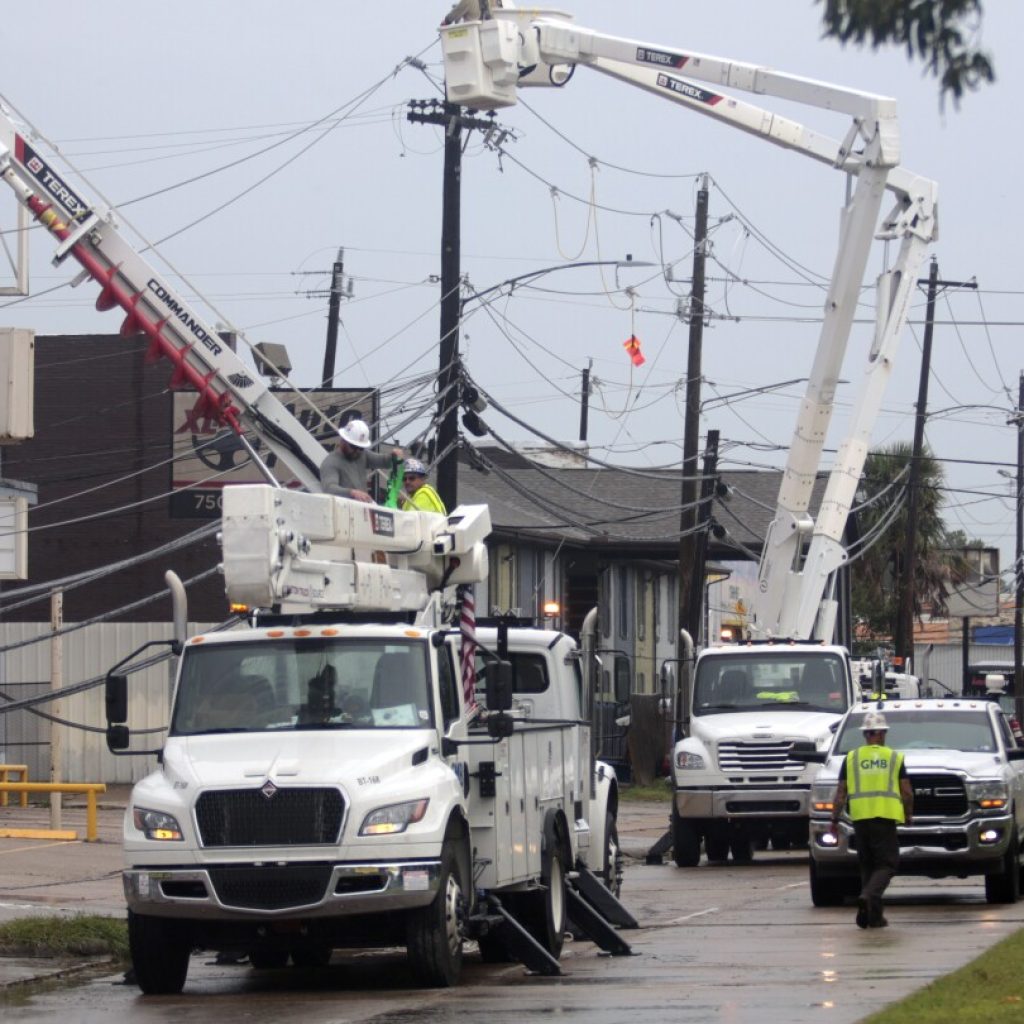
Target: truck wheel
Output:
[(685, 842), (544, 913), (160, 949), (1005, 887), (268, 959), (312, 954), (434, 933), (742, 849), (827, 892), (716, 845), (611, 873)]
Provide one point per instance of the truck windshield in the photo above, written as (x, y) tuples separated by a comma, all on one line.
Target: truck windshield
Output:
[(751, 682), (283, 685), (924, 729)]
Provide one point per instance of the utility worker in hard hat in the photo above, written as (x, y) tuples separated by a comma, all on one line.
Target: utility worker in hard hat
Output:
[(874, 780), (419, 495), (345, 471)]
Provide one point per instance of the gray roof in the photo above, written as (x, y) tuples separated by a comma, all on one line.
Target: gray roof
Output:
[(628, 508)]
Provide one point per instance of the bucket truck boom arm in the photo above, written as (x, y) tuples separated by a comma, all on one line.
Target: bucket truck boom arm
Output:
[(229, 391), (485, 63)]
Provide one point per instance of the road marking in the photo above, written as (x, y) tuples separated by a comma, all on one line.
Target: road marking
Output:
[(696, 913), (37, 846)]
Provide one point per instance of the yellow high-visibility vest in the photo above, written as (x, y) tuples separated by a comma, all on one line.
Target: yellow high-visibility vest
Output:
[(873, 783)]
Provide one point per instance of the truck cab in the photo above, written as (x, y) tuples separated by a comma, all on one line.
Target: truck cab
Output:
[(735, 785)]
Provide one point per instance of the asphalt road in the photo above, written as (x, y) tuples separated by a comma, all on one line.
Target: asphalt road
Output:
[(721, 943)]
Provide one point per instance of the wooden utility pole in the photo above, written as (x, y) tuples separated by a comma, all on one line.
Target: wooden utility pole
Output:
[(703, 538), (904, 633), (333, 307), (688, 615), (585, 399), (1018, 565), (452, 119)]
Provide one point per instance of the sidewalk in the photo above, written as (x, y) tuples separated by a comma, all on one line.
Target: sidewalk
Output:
[(43, 877)]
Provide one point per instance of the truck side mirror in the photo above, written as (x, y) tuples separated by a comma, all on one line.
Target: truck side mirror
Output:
[(117, 737), (117, 699), (804, 750), (499, 686)]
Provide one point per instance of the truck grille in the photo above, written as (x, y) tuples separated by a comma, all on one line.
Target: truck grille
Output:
[(290, 817), (939, 796), (755, 757), (274, 887)]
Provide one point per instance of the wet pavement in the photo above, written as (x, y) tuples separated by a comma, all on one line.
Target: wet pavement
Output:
[(737, 944)]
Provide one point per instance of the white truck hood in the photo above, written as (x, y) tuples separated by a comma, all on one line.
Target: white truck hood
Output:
[(763, 725), (294, 758)]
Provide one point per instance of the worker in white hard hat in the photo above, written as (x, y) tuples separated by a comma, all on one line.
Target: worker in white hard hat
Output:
[(345, 471), (874, 780), (419, 495)]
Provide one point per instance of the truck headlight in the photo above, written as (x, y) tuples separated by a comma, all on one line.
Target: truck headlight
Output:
[(821, 797), (990, 795), (689, 761), (386, 821), (157, 825)]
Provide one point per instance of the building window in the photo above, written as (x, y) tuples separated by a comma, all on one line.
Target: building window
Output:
[(622, 600)]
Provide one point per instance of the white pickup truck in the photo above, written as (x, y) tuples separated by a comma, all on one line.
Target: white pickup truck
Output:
[(967, 773)]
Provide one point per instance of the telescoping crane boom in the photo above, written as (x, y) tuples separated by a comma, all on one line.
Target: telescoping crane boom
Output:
[(487, 61), (294, 551)]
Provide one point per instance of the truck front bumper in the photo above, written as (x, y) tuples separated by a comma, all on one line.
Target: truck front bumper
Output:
[(743, 802), (245, 891), (974, 847)]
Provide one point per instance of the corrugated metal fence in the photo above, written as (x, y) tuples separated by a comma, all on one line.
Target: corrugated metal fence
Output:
[(946, 660), (87, 653)]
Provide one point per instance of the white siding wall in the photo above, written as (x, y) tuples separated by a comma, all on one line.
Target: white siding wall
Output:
[(89, 652)]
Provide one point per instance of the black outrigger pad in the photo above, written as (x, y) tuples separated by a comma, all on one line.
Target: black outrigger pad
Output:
[(601, 898), (656, 853), (594, 926), (521, 944)]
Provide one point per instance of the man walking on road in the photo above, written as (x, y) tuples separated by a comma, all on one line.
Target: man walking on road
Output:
[(874, 780)]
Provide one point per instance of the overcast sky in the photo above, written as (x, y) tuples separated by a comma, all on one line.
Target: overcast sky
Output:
[(142, 96)]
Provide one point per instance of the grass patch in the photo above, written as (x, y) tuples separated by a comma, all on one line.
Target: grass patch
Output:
[(81, 935), (656, 792), (989, 990)]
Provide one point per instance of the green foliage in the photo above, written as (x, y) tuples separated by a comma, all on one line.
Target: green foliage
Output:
[(883, 522), (939, 32), (990, 990), (656, 792), (81, 935)]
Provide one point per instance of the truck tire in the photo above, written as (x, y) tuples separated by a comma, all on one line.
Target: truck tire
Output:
[(312, 954), (742, 848), (829, 892), (160, 949), (685, 842), (1005, 886), (611, 873), (543, 913), (716, 843), (434, 933), (268, 959)]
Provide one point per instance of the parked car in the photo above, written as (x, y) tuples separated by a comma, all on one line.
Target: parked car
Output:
[(967, 773)]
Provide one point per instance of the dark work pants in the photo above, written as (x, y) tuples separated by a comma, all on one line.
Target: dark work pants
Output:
[(878, 854)]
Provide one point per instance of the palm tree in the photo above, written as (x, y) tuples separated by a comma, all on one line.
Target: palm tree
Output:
[(882, 518)]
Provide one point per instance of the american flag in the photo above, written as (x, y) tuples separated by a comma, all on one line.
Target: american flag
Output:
[(467, 624)]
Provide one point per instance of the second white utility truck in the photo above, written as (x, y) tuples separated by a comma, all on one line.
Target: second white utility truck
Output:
[(734, 783)]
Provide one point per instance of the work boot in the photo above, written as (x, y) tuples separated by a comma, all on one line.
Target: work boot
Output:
[(876, 919), (863, 912)]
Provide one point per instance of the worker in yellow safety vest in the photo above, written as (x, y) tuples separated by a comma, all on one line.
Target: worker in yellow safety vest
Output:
[(419, 495), (874, 780)]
